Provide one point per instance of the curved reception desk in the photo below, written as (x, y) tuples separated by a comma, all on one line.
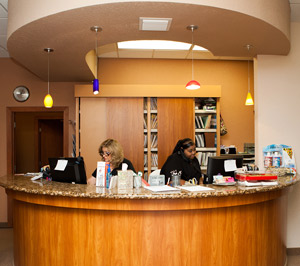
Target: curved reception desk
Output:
[(66, 224)]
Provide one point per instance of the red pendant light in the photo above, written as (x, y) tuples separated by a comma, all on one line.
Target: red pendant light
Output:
[(193, 84)]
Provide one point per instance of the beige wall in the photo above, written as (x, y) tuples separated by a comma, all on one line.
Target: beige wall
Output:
[(276, 116), (230, 75), (12, 75)]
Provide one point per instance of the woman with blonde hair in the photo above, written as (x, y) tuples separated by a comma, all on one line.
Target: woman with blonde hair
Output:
[(111, 151)]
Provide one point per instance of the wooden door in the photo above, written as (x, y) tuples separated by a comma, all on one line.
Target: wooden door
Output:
[(175, 121), (50, 142), (125, 118)]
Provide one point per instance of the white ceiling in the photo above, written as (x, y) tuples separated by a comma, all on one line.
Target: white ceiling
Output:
[(111, 50)]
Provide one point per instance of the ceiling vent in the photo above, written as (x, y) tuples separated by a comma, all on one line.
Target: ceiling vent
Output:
[(155, 24)]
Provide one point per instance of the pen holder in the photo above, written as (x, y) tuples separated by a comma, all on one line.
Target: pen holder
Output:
[(137, 181), (175, 180)]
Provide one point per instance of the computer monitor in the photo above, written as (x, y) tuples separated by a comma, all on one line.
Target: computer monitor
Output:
[(68, 170), (216, 165)]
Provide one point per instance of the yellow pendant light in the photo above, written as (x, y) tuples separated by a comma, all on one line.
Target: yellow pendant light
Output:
[(193, 84), (48, 101), (249, 100)]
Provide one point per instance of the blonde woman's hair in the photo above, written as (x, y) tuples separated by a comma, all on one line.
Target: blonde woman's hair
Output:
[(115, 149)]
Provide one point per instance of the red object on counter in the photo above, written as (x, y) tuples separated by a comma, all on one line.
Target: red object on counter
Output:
[(246, 177)]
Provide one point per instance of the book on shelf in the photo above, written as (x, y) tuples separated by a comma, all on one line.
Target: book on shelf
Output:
[(145, 122), (203, 157), (200, 140), (197, 123), (154, 141), (207, 122), (145, 141), (154, 121), (213, 123), (210, 139), (154, 160), (153, 103)]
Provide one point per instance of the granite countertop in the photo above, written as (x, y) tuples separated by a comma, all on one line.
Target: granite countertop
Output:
[(44, 187)]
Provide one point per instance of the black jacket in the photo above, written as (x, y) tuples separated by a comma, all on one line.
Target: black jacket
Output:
[(178, 164)]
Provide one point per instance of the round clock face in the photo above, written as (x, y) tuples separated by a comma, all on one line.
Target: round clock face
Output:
[(21, 93)]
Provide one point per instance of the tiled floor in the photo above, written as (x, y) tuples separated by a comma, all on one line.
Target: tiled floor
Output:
[(6, 249)]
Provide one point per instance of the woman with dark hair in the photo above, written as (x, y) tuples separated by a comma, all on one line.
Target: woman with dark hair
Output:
[(111, 151), (182, 162)]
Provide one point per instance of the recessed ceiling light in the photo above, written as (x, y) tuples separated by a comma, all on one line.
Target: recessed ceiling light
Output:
[(154, 45), (155, 24)]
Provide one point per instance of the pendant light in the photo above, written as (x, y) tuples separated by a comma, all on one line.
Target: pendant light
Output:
[(193, 84), (48, 101), (96, 81), (249, 100)]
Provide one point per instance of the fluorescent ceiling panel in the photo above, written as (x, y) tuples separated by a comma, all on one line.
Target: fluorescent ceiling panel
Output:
[(154, 45)]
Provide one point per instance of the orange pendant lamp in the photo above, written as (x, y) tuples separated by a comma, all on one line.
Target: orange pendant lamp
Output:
[(193, 84), (48, 101)]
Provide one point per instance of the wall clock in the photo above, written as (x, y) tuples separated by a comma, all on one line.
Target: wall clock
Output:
[(21, 93)]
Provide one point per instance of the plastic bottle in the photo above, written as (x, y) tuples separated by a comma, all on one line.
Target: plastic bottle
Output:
[(108, 173), (268, 160), (277, 159)]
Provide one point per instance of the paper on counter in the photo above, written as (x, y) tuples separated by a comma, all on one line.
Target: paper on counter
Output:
[(195, 188), (162, 189)]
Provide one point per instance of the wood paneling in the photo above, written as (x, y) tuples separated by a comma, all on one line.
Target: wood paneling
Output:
[(175, 121), (251, 234), (125, 118), (91, 130)]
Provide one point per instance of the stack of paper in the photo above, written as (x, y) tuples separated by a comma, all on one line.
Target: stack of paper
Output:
[(162, 189), (195, 188)]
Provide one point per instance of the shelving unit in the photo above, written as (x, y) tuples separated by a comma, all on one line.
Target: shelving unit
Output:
[(207, 132), (150, 135)]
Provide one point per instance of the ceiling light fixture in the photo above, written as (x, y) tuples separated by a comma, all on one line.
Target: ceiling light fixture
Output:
[(193, 84), (249, 100), (48, 101), (154, 45), (96, 80)]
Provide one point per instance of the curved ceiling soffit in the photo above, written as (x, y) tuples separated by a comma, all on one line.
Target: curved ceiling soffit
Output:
[(222, 32)]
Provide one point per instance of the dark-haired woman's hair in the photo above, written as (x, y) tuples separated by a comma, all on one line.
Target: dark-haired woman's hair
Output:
[(183, 144)]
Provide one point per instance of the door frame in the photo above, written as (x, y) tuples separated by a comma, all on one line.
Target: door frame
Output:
[(37, 137), (10, 111)]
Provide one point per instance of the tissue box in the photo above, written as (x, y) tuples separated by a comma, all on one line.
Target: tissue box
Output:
[(125, 179)]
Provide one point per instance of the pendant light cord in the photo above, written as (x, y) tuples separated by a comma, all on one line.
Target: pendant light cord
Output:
[(48, 72), (192, 53), (248, 78), (96, 49)]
